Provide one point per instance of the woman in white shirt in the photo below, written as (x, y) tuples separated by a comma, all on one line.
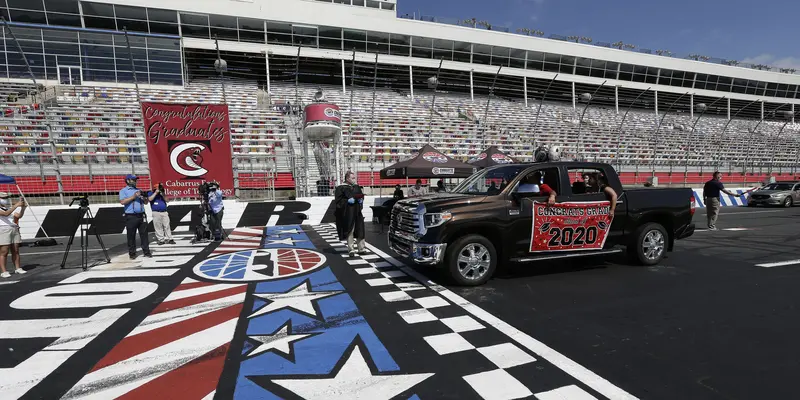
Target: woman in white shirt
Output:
[(10, 237)]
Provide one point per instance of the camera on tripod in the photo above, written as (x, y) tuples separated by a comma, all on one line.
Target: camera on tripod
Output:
[(83, 201)]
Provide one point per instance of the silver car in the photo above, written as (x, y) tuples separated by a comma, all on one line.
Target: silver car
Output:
[(784, 194)]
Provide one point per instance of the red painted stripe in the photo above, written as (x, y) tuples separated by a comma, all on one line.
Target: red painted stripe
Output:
[(202, 298), (195, 380), (192, 285), (135, 345), (246, 233)]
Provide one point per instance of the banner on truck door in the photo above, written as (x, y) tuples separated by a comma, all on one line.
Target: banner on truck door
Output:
[(570, 226), (188, 144)]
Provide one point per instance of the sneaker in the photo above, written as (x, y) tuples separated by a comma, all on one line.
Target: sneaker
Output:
[(132, 256), (5, 275), (171, 242), (363, 252), (148, 255), (160, 243), (20, 271), (352, 254)]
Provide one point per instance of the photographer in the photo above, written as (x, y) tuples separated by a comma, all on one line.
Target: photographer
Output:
[(133, 201), (215, 210), (158, 204)]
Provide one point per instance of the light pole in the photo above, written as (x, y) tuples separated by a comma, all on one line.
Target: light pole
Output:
[(586, 97), (725, 128), (753, 133), (539, 111), (619, 128), (658, 127), (702, 108), (486, 111), (787, 115)]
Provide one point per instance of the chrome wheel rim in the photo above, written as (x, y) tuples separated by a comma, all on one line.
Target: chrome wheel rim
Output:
[(653, 245), (473, 261)]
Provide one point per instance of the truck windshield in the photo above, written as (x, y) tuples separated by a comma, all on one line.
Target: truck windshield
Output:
[(490, 181)]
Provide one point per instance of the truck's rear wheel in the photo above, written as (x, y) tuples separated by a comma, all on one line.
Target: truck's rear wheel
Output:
[(650, 244), (471, 260)]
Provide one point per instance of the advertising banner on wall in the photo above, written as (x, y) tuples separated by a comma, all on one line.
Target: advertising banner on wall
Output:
[(188, 144), (570, 226)]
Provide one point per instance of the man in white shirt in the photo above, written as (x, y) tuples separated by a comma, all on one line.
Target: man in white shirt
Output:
[(10, 238), (417, 190)]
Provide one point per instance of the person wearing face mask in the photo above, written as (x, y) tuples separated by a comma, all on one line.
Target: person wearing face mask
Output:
[(10, 237), (133, 201), (350, 221), (216, 210)]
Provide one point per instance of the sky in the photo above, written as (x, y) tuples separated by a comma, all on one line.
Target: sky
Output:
[(759, 32)]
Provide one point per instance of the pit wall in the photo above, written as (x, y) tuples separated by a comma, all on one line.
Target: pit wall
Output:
[(59, 221)]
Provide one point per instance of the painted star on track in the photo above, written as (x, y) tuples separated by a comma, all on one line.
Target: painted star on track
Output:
[(300, 298), (354, 381), (287, 241), (280, 341), (284, 232)]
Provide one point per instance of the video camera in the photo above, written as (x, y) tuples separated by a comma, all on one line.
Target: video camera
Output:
[(160, 187), (83, 201)]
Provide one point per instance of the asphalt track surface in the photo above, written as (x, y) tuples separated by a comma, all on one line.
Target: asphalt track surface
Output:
[(716, 320)]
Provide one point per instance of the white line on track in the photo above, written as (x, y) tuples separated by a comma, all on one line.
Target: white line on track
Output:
[(750, 212), (572, 368), (778, 264), (58, 252), (8, 283)]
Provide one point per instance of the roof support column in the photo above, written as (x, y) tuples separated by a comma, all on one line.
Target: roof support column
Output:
[(574, 106), (729, 108), (525, 89), (655, 95), (471, 87), (411, 80), (762, 110), (616, 98), (691, 106), (344, 78)]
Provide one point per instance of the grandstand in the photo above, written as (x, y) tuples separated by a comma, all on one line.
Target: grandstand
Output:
[(400, 84)]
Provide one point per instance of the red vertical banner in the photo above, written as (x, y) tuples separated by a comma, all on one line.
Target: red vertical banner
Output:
[(188, 144)]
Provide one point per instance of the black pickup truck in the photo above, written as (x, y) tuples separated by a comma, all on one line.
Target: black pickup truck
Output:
[(487, 220)]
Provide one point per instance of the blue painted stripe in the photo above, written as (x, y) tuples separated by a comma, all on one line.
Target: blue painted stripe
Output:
[(699, 200)]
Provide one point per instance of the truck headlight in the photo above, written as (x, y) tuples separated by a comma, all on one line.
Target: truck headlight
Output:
[(436, 219)]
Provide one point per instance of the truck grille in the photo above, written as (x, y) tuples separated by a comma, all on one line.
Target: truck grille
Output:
[(404, 219)]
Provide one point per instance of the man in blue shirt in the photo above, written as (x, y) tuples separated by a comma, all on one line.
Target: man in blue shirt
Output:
[(711, 191), (161, 223), (215, 211), (133, 202)]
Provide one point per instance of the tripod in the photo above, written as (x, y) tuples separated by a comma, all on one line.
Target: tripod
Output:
[(84, 229)]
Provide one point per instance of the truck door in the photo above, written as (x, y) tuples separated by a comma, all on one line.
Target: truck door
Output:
[(585, 186), (521, 206)]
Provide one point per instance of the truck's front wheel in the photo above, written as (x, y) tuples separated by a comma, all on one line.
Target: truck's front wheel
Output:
[(650, 244), (471, 260)]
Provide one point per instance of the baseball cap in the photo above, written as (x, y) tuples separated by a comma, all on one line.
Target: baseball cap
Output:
[(131, 176), (4, 195)]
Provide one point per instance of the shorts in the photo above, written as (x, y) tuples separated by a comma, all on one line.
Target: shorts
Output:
[(9, 235)]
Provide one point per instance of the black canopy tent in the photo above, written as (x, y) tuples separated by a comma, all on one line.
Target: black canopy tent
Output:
[(428, 163), (491, 157)]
